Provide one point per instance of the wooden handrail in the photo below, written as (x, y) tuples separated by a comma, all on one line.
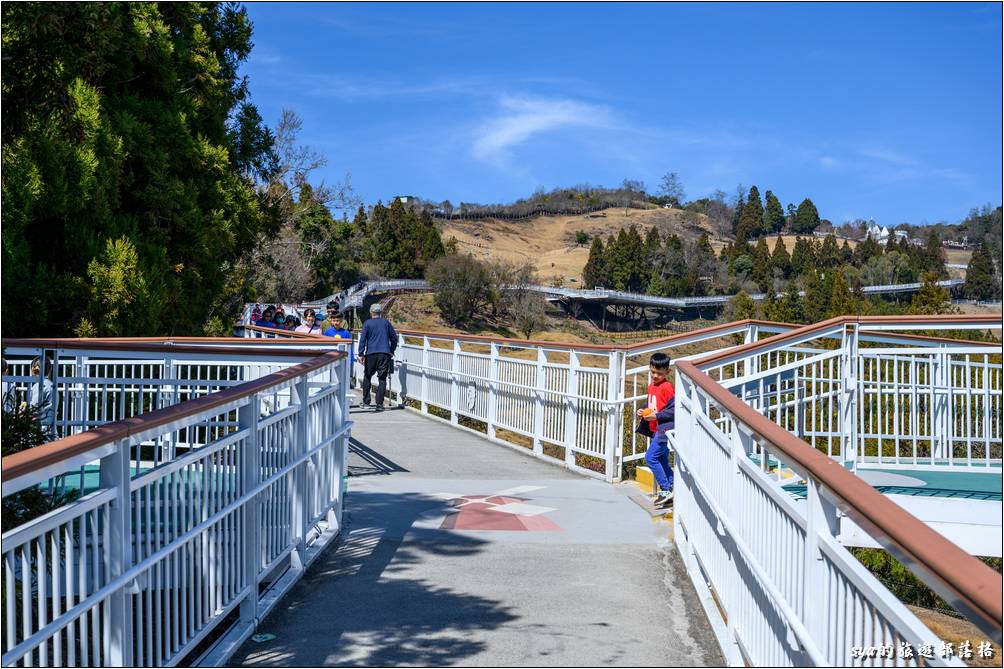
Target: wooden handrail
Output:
[(958, 576)]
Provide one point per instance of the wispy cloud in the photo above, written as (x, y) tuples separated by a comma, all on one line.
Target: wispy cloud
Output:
[(521, 118)]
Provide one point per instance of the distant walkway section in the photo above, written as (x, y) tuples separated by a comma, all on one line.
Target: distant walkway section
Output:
[(458, 551)]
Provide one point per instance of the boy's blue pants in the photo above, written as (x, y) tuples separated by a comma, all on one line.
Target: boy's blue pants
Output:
[(657, 459)]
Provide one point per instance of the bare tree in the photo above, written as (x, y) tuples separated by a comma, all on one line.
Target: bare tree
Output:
[(529, 314)]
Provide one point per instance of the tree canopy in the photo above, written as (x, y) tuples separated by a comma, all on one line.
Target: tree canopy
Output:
[(131, 156)]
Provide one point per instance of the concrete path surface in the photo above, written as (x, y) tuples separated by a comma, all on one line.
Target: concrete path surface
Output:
[(461, 552)]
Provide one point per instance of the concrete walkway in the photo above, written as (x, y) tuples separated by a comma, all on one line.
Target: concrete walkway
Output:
[(458, 551)]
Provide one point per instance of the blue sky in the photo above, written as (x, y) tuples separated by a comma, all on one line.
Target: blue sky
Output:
[(884, 111)]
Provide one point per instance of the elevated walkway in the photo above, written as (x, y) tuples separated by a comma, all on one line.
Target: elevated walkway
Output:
[(457, 551)]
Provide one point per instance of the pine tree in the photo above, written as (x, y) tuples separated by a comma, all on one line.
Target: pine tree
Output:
[(751, 221), (762, 271), (981, 277), (806, 218), (653, 243), (129, 121), (773, 214), (593, 272), (866, 250), (818, 290), (931, 299), (842, 302), (829, 254), (803, 256), (934, 257), (742, 306), (846, 253), (780, 260), (737, 213)]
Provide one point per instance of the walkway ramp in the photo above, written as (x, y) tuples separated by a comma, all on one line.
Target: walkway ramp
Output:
[(457, 551)]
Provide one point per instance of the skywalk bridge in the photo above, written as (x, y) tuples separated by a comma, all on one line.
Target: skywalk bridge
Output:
[(355, 297), (210, 473)]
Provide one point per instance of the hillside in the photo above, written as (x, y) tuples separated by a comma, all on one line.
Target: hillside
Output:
[(549, 241)]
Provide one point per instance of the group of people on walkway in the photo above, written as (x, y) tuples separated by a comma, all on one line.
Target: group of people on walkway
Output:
[(377, 342), (333, 325), (40, 397)]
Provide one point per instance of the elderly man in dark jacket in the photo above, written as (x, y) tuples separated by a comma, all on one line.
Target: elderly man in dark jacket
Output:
[(377, 344)]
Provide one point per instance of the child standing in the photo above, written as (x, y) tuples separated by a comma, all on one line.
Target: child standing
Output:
[(660, 416)]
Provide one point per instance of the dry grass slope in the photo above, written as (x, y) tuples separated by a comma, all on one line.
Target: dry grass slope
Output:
[(549, 241)]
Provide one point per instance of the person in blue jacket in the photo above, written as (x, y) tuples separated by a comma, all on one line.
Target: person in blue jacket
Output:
[(377, 344)]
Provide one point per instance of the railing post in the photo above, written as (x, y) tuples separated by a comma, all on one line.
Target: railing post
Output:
[(742, 445), (425, 375), (538, 404), (615, 415), (298, 521), (118, 536), (941, 389), (820, 518), (493, 377), (80, 403), (336, 500), (454, 383), (572, 408), (848, 398), (250, 459)]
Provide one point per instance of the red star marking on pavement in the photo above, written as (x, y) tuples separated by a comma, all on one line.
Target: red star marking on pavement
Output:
[(497, 512)]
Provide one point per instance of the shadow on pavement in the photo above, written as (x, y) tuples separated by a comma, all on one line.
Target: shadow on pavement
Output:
[(364, 461), (361, 603)]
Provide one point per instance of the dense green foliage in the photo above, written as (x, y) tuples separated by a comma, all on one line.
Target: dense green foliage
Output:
[(21, 431), (981, 276), (130, 162)]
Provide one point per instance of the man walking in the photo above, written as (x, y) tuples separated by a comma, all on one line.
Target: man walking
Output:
[(377, 344)]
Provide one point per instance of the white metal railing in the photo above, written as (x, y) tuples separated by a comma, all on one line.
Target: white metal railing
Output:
[(570, 404), (201, 511), (778, 586)]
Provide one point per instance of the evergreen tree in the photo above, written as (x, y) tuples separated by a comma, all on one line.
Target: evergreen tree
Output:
[(762, 272), (653, 243), (773, 214), (842, 302), (737, 213), (981, 277), (742, 306), (788, 308), (129, 124), (806, 218), (803, 256), (818, 290), (593, 273), (866, 250), (846, 253), (933, 258), (829, 254), (751, 221), (931, 299), (780, 261)]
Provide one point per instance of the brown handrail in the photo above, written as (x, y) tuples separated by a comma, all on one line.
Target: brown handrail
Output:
[(956, 575), (228, 346), (643, 344), (48, 454), (745, 349)]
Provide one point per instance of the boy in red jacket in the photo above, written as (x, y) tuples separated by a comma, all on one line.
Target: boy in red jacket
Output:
[(661, 416)]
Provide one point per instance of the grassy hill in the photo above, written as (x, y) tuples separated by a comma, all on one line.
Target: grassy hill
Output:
[(549, 241)]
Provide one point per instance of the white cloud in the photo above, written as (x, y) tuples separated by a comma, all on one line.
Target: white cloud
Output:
[(522, 118)]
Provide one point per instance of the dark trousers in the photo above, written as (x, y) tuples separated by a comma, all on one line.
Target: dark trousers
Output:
[(379, 364)]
